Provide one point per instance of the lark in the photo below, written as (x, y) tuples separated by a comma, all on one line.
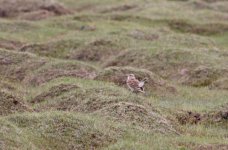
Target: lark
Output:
[(135, 85)]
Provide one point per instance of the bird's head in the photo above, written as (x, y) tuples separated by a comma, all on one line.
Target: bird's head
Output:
[(130, 76)]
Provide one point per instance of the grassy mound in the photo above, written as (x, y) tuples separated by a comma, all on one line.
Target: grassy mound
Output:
[(10, 45), (6, 86), (54, 92), (204, 76), (137, 115), (118, 75), (166, 64), (71, 70), (202, 29), (102, 99), (221, 84), (141, 35), (16, 66), (31, 9), (211, 146), (58, 49), (200, 76), (60, 69), (89, 97), (55, 130), (169, 62), (32, 70), (98, 50), (218, 115), (10, 104)]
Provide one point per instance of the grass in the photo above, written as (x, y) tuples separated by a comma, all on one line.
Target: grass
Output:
[(68, 76)]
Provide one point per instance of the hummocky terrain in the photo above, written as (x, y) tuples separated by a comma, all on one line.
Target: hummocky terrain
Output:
[(63, 67)]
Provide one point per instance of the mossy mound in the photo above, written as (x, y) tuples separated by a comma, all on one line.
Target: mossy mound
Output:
[(154, 83)]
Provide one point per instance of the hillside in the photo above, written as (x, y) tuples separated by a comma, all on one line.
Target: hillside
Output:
[(63, 67)]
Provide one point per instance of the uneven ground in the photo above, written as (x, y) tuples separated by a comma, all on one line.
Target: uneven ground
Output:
[(63, 67)]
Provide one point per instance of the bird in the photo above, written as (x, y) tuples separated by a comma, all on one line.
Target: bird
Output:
[(135, 85)]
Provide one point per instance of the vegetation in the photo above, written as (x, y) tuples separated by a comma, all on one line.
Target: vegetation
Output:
[(63, 67)]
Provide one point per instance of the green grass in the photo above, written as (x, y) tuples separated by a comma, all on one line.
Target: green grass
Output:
[(158, 38)]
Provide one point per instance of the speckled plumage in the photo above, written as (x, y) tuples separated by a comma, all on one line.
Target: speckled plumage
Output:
[(135, 85)]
